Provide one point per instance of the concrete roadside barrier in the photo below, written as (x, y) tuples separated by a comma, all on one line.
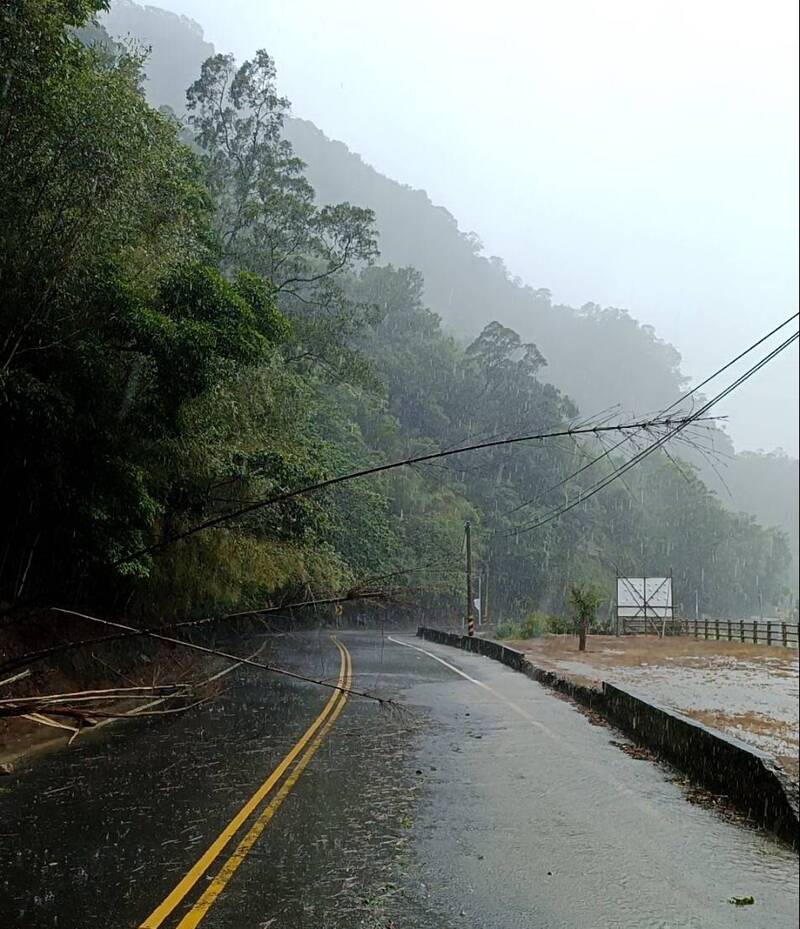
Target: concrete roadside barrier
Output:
[(750, 779)]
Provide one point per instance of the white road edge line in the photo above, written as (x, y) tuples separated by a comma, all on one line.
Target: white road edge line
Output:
[(642, 803), (515, 707)]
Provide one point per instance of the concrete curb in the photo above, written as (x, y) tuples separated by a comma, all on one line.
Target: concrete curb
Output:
[(747, 777)]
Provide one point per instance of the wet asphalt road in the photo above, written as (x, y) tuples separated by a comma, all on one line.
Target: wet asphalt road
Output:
[(489, 804)]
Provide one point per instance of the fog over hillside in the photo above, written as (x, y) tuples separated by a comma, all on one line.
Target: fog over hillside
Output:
[(598, 356), (634, 155)]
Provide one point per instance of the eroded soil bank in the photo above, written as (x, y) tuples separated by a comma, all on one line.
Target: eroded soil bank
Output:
[(60, 669)]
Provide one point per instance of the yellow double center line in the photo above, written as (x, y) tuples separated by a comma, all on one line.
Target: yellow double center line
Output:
[(314, 735)]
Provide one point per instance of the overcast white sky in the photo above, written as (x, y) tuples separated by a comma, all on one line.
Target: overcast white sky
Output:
[(638, 154)]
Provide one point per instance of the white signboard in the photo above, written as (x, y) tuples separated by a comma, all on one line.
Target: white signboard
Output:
[(644, 597)]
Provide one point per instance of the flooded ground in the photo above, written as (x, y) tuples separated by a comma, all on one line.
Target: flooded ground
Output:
[(749, 691)]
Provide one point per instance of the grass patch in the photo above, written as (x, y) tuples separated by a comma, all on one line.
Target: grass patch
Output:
[(534, 625)]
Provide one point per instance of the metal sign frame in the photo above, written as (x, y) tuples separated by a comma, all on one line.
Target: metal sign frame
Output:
[(644, 603)]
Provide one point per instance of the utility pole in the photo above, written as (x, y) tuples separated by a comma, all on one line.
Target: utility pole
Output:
[(470, 605), (485, 614)]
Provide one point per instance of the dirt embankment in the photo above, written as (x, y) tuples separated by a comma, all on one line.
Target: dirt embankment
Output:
[(748, 691), (101, 664)]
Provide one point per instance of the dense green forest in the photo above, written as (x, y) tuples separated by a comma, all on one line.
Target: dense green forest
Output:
[(188, 326), (468, 288)]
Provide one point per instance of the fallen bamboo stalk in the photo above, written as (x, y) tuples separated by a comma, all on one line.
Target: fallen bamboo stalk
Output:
[(88, 717), (13, 709), (44, 721), (132, 632), (215, 651), (15, 677), (106, 693), (145, 709)]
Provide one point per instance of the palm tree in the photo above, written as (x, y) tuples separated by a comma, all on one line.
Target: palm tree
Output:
[(585, 598)]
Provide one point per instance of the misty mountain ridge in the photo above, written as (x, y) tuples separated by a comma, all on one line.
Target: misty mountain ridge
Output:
[(602, 357)]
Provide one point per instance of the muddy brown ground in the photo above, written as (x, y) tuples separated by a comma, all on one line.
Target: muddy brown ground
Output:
[(749, 691), (608, 651)]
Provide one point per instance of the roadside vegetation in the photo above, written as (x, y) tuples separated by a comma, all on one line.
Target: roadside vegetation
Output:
[(534, 626)]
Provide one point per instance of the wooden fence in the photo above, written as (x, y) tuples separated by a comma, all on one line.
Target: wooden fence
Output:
[(752, 631), (638, 625)]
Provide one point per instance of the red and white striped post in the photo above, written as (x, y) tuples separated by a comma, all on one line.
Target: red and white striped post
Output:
[(470, 604)]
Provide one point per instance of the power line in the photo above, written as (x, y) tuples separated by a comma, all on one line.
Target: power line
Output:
[(644, 453), (663, 412), (655, 423), (731, 362), (569, 477)]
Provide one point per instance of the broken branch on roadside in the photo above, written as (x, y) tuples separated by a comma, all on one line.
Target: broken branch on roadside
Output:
[(355, 593), (275, 669)]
